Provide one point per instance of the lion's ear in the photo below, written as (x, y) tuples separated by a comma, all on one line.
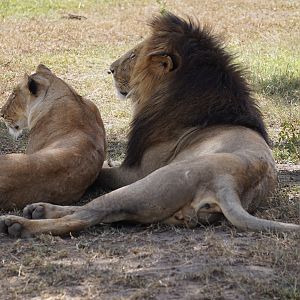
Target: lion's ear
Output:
[(162, 61)]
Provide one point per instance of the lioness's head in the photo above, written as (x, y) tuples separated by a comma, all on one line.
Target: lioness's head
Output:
[(14, 113), (28, 92), (16, 109)]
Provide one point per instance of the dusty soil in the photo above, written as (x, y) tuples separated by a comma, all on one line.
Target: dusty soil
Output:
[(156, 262), (128, 261)]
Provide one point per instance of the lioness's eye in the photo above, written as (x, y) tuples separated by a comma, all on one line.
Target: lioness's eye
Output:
[(132, 56)]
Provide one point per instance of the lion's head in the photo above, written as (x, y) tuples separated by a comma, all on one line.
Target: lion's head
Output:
[(182, 78), (122, 70)]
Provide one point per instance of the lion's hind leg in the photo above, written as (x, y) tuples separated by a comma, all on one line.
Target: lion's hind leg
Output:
[(151, 199), (203, 209), (47, 211), (15, 226)]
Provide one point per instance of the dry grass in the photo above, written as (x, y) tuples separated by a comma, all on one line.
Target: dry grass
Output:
[(156, 262)]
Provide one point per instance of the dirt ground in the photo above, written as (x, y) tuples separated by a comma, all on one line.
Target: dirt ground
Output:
[(156, 262), (128, 261)]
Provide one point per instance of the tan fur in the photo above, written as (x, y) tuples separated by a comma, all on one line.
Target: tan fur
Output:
[(176, 170), (66, 145)]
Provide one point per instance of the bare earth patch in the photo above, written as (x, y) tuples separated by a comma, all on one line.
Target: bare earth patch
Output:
[(125, 261), (155, 262)]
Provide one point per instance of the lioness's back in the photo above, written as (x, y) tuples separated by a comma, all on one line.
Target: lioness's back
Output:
[(66, 146)]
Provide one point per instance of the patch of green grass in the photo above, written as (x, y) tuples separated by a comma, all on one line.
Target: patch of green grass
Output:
[(162, 6), (27, 7), (288, 146), (274, 72), (41, 7), (277, 75)]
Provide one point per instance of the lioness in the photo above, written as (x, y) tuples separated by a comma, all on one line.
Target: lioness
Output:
[(197, 145), (66, 145)]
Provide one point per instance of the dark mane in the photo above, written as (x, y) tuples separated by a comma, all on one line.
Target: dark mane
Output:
[(206, 89)]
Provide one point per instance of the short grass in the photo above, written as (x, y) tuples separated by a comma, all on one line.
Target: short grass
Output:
[(27, 8), (156, 262)]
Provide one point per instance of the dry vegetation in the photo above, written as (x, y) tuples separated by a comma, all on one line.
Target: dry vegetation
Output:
[(155, 262)]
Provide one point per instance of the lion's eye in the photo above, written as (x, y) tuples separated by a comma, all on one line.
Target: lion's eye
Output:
[(132, 56)]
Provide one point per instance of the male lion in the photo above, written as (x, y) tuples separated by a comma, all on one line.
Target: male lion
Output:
[(197, 146), (66, 145)]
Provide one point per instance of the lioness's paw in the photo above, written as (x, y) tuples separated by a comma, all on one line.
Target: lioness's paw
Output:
[(34, 211), (12, 226)]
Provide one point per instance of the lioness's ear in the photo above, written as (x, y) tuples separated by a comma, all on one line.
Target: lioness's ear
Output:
[(162, 60), (26, 77), (32, 86), (36, 83), (42, 69)]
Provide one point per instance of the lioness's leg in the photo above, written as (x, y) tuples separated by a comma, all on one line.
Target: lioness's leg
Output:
[(48, 211), (152, 199)]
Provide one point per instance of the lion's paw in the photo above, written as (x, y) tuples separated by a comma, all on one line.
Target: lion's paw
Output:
[(35, 211), (13, 226)]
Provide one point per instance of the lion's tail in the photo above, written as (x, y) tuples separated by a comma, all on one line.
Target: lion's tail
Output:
[(238, 216)]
